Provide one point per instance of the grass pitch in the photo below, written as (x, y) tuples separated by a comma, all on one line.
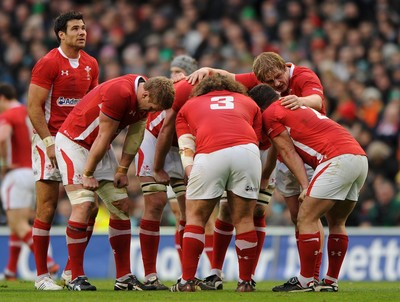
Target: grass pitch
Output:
[(348, 291)]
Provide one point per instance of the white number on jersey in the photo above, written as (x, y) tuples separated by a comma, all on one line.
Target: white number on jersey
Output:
[(222, 102)]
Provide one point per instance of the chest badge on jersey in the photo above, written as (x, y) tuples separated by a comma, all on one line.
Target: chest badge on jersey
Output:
[(88, 69)]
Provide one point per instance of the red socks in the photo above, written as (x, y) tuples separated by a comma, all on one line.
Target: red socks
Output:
[(309, 246), (337, 248), (260, 225), (246, 249), (193, 245), (149, 236), (14, 245), (41, 239), (76, 242), (119, 233), (208, 247), (223, 233)]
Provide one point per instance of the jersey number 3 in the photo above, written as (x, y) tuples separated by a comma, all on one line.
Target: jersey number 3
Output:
[(222, 102)]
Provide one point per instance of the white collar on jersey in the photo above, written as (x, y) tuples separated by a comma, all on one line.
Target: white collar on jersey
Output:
[(74, 62)]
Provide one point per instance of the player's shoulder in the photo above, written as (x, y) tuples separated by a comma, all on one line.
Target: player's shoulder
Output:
[(183, 85), (13, 113), (52, 57), (303, 71), (84, 55)]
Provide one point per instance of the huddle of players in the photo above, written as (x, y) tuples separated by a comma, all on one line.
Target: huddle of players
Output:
[(218, 135)]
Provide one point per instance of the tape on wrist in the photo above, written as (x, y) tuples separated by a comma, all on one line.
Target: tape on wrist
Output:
[(122, 169), (88, 174), (48, 141)]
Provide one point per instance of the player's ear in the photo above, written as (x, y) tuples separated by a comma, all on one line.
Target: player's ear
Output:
[(146, 94), (61, 34)]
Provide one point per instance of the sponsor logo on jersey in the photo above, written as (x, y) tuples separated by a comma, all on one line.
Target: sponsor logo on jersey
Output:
[(64, 72), (63, 102)]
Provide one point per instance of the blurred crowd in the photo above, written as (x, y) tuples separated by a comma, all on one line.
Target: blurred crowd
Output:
[(353, 46)]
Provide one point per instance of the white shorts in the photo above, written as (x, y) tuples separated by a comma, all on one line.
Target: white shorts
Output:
[(236, 169), (339, 178), (41, 165), (71, 159), (18, 189), (286, 182), (145, 158)]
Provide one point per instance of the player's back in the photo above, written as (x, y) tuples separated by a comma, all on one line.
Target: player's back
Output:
[(222, 119), (316, 137)]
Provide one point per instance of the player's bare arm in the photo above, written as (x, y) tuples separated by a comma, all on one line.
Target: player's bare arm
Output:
[(291, 158), (37, 96), (163, 145), (294, 102), (203, 72), (5, 135), (268, 166), (107, 128), (133, 140)]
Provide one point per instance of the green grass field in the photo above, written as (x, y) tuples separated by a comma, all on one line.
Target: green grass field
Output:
[(348, 291)]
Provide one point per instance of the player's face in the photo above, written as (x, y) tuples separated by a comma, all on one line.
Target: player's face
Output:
[(148, 105), (279, 80), (175, 71), (76, 34)]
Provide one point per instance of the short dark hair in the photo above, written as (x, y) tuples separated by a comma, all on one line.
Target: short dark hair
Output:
[(264, 95), (8, 91), (60, 24)]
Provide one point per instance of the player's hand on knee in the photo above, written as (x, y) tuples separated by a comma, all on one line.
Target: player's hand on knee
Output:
[(90, 183), (303, 195), (161, 177)]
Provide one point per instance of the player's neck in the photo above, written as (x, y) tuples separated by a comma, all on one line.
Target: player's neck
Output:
[(70, 52), (12, 104)]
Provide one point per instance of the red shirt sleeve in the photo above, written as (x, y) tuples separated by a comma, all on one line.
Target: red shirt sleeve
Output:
[(44, 73), (247, 79), (271, 120), (182, 92), (115, 101)]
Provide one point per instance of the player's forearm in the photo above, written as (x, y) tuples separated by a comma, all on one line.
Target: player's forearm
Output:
[(164, 142), (296, 165), (222, 72), (270, 163), (313, 101), (134, 137), (126, 160), (96, 153), (38, 121)]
